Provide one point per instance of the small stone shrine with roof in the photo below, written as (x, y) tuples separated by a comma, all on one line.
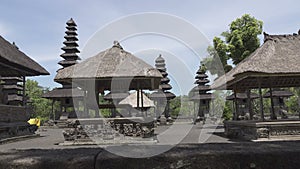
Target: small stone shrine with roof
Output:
[(243, 110), (200, 96), (278, 98), (67, 94), (162, 96)]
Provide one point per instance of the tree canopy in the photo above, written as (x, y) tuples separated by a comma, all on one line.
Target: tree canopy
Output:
[(41, 106), (239, 42)]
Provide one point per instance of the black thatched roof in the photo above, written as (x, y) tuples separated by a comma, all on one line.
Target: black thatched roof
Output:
[(110, 65), (13, 62), (279, 93), (276, 63), (64, 93), (242, 96)]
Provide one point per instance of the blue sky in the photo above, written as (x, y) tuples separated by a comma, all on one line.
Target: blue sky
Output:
[(38, 26)]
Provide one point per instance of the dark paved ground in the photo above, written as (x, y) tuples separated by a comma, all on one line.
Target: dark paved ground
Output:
[(179, 133), (202, 147)]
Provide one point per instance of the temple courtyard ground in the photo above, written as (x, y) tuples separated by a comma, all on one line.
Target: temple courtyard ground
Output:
[(216, 152)]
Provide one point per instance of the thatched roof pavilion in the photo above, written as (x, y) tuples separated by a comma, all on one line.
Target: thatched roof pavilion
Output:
[(273, 65), (276, 64), (114, 70), (14, 62)]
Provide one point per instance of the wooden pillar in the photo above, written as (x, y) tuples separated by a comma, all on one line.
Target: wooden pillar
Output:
[(142, 98), (249, 104), (138, 99), (61, 106), (235, 115), (24, 90), (273, 115), (97, 112), (199, 109), (168, 109), (261, 101), (138, 96), (52, 109), (85, 109), (194, 110)]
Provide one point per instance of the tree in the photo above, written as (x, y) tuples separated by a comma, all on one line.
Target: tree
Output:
[(240, 41), (41, 107), (242, 37)]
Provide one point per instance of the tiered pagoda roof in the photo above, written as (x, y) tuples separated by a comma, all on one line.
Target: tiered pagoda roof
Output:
[(70, 49), (70, 58), (164, 86), (199, 92), (12, 89)]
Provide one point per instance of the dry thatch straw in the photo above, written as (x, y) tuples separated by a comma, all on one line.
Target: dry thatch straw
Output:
[(276, 63), (13, 62), (112, 64)]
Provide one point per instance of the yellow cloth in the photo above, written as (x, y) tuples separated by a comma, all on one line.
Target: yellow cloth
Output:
[(35, 121)]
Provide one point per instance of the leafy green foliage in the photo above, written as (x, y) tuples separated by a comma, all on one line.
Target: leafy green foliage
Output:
[(227, 113), (242, 37), (240, 41), (181, 105), (293, 103), (42, 107)]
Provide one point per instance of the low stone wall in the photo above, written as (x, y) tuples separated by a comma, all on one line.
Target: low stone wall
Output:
[(263, 130), (14, 113), (13, 121), (281, 155)]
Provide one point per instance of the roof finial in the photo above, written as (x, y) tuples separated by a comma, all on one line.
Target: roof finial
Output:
[(266, 36), (15, 45), (117, 44)]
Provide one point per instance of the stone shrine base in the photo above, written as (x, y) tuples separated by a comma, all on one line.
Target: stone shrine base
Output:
[(263, 130)]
